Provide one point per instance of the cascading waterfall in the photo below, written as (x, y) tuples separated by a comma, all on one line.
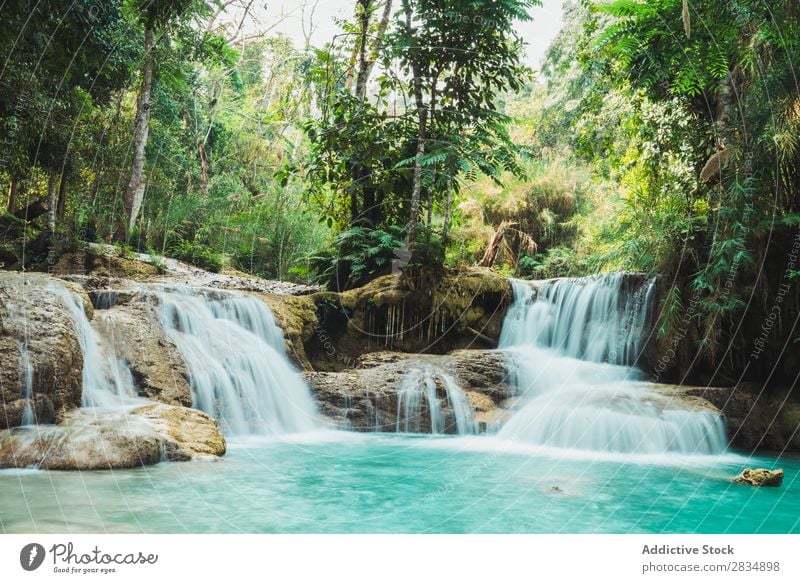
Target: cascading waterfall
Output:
[(427, 390), (238, 368), (572, 346), (103, 385), (591, 318), (26, 380)]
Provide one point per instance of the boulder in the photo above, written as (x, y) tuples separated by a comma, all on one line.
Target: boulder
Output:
[(94, 439), (39, 346), (158, 370), (364, 398), (755, 420), (297, 317), (759, 477)]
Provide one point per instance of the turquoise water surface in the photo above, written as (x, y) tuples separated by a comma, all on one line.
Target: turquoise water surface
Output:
[(354, 483)]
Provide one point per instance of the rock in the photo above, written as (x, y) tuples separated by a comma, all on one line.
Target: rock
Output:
[(755, 420), (93, 439), (465, 309), (188, 433), (297, 317), (759, 477), (33, 315), (365, 398), (158, 370), (108, 261)]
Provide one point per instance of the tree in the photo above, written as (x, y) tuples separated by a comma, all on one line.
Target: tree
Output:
[(431, 118), (59, 63), (459, 58), (156, 17)]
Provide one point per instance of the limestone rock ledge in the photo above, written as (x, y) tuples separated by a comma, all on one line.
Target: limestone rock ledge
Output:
[(365, 398), (38, 340), (96, 439)]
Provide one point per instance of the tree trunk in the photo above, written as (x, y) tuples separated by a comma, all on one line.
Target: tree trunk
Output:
[(376, 47), (33, 211), (62, 196), (448, 209), (422, 115), (135, 191), (201, 149), (13, 192), (364, 9), (490, 255), (52, 202)]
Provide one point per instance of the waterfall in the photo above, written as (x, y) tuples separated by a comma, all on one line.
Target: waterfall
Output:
[(432, 392), (239, 372), (571, 350), (590, 318), (26, 380), (103, 383)]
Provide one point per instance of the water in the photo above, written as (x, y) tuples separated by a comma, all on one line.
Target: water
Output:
[(590, 318), (428, 399), (104, 385), (235, 354), (26, 380), (375, 483), (570, 348)]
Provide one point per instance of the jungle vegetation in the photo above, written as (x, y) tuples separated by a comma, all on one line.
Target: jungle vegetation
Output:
[(660, 136)]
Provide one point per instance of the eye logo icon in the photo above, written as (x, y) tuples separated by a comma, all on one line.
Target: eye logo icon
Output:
[(31, 556)]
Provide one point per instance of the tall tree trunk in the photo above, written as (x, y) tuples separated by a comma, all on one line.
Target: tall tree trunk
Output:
[(135, 191), (201, 149), (13, 192), (448, 210), (52, 202), (62, 196), (422, 116), (490, 255), (383, 24), (364, 18)]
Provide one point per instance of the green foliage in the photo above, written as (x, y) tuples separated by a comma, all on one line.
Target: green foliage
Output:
[(556, 262), (197, 254), (356, 256)]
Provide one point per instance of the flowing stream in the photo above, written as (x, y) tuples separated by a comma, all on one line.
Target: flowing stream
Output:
[(431, 400), (572, 348), (239, 372), (591, 448)]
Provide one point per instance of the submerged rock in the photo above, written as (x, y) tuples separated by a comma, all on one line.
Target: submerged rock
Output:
[(94, 439), (760, 477)]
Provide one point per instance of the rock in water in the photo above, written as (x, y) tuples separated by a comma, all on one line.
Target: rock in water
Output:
[(96, 439), (760, 477)]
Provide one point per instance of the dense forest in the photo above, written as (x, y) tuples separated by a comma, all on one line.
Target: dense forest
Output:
[(658, 136)]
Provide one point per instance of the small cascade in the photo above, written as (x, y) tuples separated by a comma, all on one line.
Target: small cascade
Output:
[(238, 368), (571, 350), (115, 364), (26, 380), (103, 385), (590, 318), (430, 395)]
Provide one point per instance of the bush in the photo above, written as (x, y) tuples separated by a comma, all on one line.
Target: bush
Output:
[(197, 254), (357, 256), (556, 262)]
